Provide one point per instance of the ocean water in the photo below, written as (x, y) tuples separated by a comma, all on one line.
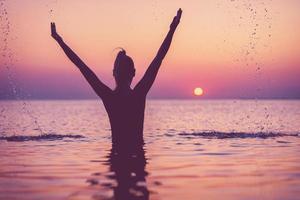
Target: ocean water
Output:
[(194, 149)]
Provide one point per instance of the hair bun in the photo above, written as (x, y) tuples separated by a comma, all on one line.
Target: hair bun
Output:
[(122, 52), (121, 55)]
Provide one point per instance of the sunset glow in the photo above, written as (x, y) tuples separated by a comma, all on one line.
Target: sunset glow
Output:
[(248, 47)]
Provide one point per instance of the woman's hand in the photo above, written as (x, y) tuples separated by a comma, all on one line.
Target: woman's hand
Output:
[(54, 34), (176, 19)]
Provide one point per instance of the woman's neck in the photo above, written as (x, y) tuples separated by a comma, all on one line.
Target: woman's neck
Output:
[(123, 88)]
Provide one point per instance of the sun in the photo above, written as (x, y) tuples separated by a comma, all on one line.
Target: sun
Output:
[(198, 91)]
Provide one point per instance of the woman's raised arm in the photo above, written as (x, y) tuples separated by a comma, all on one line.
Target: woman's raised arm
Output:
[(100, 88), (148, 79)]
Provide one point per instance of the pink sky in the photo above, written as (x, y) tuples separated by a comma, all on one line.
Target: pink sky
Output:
[(232, 49)]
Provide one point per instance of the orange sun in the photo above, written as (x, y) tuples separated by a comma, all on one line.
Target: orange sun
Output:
[(198, 91)]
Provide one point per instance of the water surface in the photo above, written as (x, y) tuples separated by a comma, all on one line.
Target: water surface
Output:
[(193, 150)]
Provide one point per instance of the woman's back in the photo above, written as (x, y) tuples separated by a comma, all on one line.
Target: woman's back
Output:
[(126, 115)]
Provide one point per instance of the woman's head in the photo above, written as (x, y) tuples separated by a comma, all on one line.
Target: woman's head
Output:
[(124, 70)]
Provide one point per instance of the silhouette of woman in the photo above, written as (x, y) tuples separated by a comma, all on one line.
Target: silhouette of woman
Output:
[(125, 106)]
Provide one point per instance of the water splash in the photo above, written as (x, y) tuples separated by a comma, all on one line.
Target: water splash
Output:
[(9, 59), (254, 19), (50, 5)]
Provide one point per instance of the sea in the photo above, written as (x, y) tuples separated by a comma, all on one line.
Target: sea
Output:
[(194, 149)]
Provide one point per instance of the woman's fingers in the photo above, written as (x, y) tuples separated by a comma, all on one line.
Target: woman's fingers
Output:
[(53, 24), (53, 28), (179, 12)]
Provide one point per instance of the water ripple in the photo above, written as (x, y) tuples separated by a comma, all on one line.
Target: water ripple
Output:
[(23, 138), (225, 135)]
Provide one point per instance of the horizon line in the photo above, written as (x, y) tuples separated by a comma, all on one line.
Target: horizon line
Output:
[(151, 98)]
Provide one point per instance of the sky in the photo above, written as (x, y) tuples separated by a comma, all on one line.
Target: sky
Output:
[(229, 48)]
